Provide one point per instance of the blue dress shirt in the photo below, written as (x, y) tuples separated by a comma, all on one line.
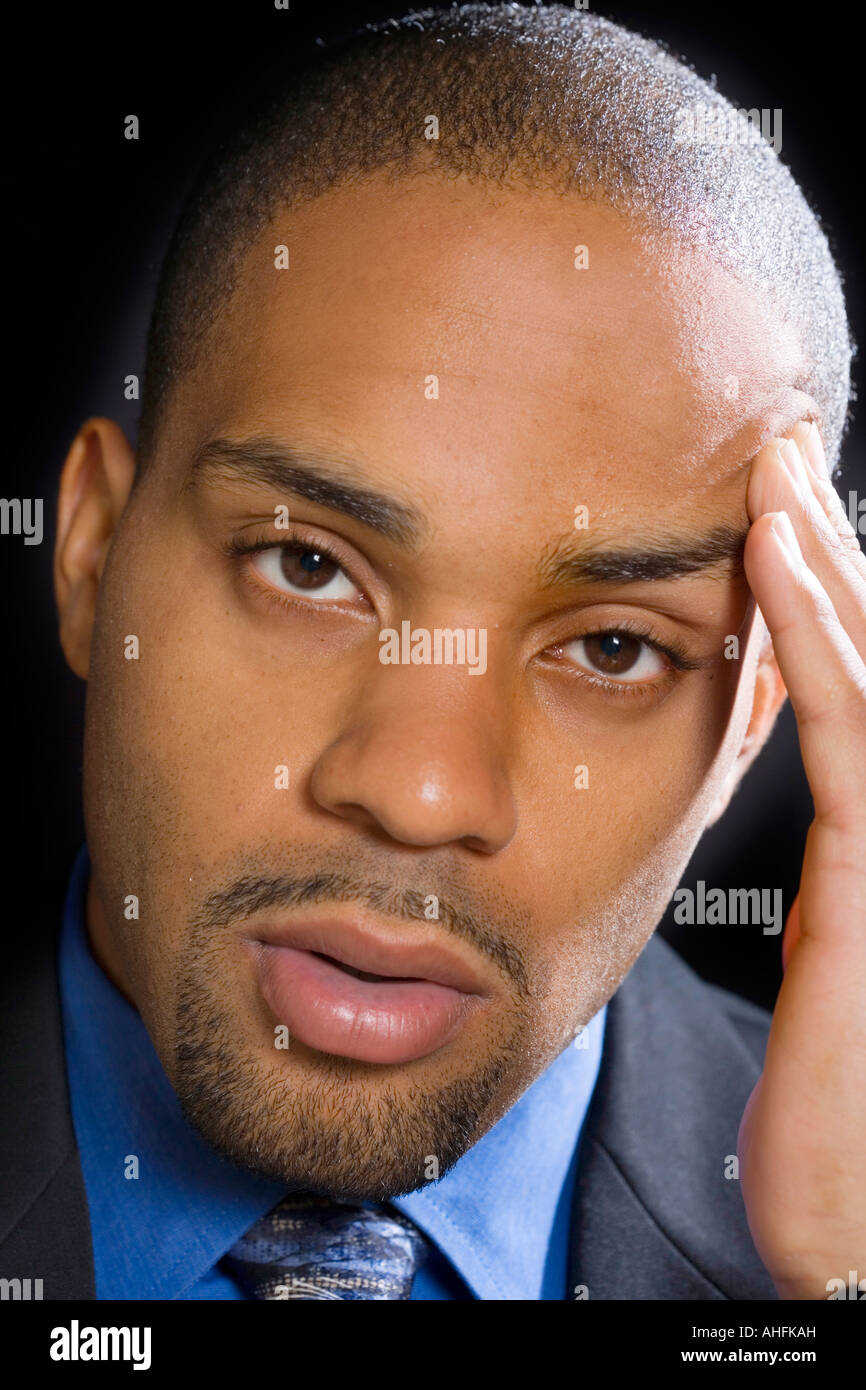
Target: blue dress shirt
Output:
[(165, 1207)]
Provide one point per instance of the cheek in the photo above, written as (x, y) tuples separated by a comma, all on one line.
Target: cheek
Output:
[(612, 780), (606, 855), (185, 740)]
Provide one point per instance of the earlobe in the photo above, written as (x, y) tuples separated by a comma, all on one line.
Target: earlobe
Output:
[(95, 483), (768, 697)]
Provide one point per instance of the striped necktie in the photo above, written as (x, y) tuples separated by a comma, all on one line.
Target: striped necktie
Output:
[(312, 1247)]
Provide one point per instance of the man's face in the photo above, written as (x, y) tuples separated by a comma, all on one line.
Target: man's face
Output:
[(489, 417)]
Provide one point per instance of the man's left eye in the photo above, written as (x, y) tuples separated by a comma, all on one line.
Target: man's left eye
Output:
[(305, 570), (616, 656)]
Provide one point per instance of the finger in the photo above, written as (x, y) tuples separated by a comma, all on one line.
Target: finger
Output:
[(792, 932), (780, 481), (808, 438), (822, 670)]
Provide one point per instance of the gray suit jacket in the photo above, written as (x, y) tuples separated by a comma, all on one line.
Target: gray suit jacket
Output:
[(654, 1216)]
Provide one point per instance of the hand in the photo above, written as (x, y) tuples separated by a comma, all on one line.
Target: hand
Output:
[(802, 1141)]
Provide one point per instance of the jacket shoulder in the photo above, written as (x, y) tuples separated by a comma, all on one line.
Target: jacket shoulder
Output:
[(750, 1021), (658, 1212), (662, 968), (44, 1218)]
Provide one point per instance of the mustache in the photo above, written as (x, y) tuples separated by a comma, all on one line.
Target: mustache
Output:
[(255, 893)]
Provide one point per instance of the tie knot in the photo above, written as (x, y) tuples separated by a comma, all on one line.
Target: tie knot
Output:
[(311, 1247)]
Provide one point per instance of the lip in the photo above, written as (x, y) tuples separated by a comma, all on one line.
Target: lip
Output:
[(428, 993)]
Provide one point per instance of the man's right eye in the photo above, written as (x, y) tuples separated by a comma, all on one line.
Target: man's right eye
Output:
[(305, 571)]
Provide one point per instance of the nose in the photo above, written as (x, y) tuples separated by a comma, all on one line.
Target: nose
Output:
[(421, 760)]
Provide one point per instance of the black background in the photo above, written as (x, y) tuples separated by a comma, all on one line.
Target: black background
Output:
[(89, 213)]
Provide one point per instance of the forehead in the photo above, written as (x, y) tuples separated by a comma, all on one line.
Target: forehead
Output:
[(486, 326)]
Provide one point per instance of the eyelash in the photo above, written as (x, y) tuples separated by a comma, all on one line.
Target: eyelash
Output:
[(673, 652), (236, 548)]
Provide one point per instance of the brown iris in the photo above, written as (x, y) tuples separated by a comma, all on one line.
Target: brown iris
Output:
[(613, 653), (307, 568)]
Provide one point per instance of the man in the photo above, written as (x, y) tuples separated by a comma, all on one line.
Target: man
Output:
[(481, 517)]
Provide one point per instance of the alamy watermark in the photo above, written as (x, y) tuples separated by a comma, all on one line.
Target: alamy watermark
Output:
[(707, 124), (441, 646), (77, 1343), (20, 1290), (22, 516), (738, 907), (857, 512)]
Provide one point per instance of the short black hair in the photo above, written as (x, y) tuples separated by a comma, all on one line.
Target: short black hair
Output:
[(543, 97)]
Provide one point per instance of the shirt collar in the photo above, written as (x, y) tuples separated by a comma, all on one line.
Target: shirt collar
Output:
[(502, 1213), (497, 1215), (161, 1231)]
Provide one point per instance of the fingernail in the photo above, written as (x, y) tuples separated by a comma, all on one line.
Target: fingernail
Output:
[(787, 536), (813, 450)]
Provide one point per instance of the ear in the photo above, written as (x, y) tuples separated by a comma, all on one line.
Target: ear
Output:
[(768, 697), (96, 480)]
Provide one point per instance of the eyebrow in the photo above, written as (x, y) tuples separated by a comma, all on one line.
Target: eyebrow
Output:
[(320, 477), (660, 558)]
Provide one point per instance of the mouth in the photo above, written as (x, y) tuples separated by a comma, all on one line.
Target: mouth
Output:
[(350, 969), (352, 989)]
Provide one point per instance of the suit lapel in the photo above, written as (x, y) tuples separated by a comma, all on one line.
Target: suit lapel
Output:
[(654, 1216), (44, 1221)]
